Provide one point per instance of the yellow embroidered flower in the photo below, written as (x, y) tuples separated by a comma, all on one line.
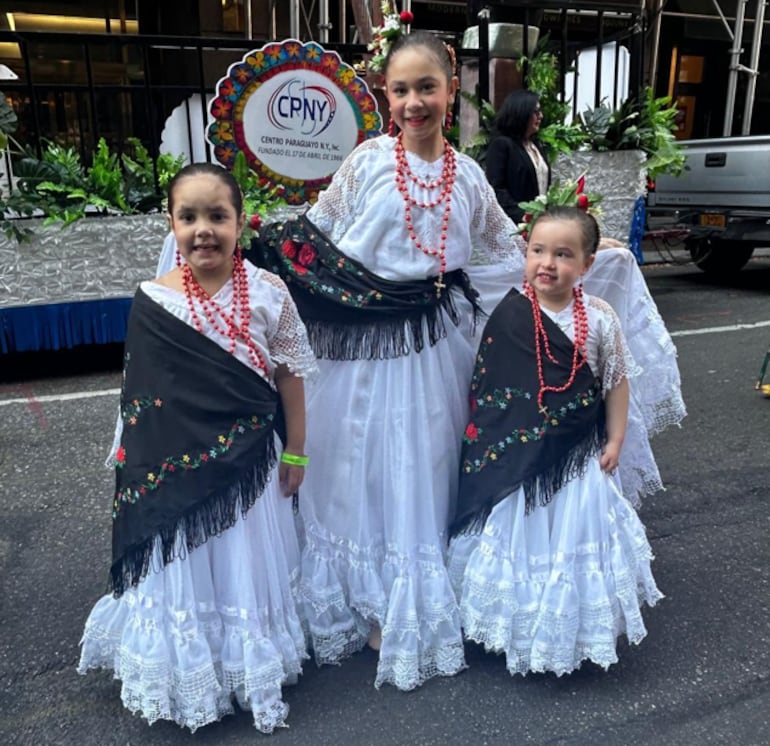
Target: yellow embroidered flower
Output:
[(186, 458), (493, 456), (221, 439), (523, 438), (150, 477)]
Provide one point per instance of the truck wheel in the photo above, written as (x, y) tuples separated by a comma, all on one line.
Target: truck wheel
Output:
[(716, 257)]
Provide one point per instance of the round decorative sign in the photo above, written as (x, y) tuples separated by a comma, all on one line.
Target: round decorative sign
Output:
[(296, 111)]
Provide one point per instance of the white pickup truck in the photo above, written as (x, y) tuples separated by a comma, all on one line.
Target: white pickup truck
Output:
[(722, 200)]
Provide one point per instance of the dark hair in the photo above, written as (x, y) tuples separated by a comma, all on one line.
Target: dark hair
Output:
[(587, 223), (515, 113), (425, 39), (221, 173)]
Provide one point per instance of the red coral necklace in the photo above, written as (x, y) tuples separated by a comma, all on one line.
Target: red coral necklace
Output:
[(445, 182), (235, 324), (580, 321)]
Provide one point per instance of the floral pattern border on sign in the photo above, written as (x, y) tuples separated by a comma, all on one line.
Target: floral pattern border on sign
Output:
[(227, 132)]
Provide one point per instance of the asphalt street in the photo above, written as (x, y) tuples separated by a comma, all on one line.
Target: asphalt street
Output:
[(702, 675)]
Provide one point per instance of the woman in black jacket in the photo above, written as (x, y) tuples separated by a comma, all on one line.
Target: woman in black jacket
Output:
[(515, 163)]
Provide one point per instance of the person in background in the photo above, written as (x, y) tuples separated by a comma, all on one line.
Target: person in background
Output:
[(515, 164)]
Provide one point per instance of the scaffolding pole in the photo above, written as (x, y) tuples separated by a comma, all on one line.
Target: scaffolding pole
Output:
[(753, 70), (735, 66)]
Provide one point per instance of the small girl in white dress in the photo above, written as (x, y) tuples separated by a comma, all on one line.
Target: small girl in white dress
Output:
[(205, 554), (549, 561)]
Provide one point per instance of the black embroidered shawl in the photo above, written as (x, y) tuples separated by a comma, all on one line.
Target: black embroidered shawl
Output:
[(197, 445), (349, 312), (508, 442)]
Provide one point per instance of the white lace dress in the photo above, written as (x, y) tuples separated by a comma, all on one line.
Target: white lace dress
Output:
[(384, 435), (221, 622), (556, 587)]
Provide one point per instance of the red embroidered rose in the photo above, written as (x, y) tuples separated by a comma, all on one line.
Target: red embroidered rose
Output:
[(525, 235), (289, 249), (583, 201), (406, 16), (527, 218), (298, 268), (254, 222), (307, 254), (581, 185), (471, 432), (120, 455)]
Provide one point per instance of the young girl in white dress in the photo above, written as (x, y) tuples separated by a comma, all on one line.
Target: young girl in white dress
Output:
[(549, 560), (205, 553)]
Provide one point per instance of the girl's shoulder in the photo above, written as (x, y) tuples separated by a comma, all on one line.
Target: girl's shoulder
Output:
[(601, 311), (468, 167), (260, 275)]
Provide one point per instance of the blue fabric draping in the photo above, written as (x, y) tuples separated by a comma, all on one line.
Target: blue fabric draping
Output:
[(59, 326)]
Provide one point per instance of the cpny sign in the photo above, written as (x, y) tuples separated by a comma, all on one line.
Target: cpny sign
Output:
[(296, 111)]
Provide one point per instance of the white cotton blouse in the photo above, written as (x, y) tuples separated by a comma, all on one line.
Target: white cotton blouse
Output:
[(362, 212), (606, 349), (275, 325)]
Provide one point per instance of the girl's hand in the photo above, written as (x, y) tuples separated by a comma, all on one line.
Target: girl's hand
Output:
[(609, 458), (290, 478)]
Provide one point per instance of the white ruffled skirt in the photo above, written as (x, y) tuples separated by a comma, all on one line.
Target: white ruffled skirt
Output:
[(558, 586), (218, 624), (385, 438)]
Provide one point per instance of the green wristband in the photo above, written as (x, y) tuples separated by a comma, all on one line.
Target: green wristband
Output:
[(290, 458)]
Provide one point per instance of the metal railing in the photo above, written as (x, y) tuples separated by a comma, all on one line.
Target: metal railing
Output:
[(77, 88)]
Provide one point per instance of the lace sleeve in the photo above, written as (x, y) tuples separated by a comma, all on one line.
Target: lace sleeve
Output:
[(288, 342), (334, 211), (494, 234), (615, 359)]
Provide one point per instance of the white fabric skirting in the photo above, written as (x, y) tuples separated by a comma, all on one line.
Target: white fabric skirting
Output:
[(218, 624), (385, 437), (558, 586)]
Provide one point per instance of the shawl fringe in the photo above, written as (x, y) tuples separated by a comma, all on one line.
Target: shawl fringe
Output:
[(212, 518), (384, 338)]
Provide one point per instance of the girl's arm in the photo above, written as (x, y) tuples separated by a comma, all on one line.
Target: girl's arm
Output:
[(616, 401), (291, 389)]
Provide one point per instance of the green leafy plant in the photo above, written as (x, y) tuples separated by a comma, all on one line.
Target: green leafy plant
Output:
[(646, 124), (259, 196), (566, 194), (60, 189)]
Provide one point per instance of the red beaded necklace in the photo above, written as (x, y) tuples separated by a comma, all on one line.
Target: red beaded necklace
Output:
[(580, 321), (235, 323), (445, 182)]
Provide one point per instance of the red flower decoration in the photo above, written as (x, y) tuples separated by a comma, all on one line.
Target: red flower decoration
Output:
[(525, 235), (289, 249), (471, 432), (406, 16), (527, 218), (254, 222), (307, 255), (298, 268), (583, 201), (120, 455), (581, 185)]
